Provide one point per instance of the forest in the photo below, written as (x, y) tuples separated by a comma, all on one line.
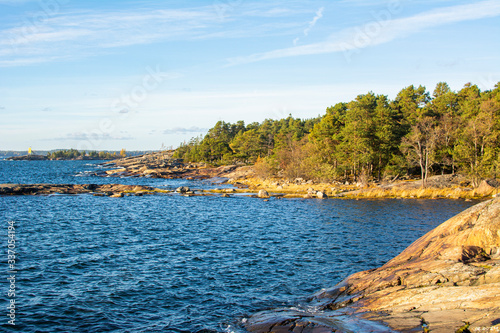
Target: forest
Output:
[(368, 139)]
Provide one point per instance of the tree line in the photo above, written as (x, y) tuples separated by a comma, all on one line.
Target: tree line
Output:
[(70, 154), (368, 138)]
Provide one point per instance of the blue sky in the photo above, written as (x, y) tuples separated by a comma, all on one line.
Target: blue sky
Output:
[(138, 74)]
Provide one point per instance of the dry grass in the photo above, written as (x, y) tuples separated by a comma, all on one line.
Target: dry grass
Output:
[(417, 193), (406, 189)]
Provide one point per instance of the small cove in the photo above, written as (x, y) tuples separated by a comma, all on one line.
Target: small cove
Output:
[(188, 264)]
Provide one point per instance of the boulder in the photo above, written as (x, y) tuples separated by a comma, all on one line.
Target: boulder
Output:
[(299, 180), (487, 187), (150, 172), (321, 195), (263, 194), (115, 171), (182, 189)]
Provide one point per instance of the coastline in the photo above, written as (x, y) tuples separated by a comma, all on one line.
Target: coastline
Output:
[(406, 189), (465, 264), (245, 180), (446, 281), (45, 158), (162, 165)]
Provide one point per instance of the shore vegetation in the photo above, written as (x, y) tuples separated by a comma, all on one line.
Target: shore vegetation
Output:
[(368, 139)]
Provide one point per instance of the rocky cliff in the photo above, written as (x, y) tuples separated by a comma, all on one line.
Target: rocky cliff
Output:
[(447, 280)]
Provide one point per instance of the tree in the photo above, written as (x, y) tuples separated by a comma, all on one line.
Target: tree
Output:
[(326, 137), (369, 136), (478, 141), (247, 146), (444, 106), (419, 144), (410, 103), (386, 141), (359, 134)]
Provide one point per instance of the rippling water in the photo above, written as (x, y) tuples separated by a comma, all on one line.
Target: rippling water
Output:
[(167, 263)]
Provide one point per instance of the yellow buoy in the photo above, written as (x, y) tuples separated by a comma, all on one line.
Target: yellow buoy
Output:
[(29, 151)]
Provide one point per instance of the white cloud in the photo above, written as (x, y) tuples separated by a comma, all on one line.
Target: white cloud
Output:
[(319, 15), (80, 136), (183, 130), (68, 35), (381, 31), (14, 2)]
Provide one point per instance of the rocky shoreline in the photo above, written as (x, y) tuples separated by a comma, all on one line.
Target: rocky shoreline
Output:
[(28, 158), (112, 190), (446, 281), (162, 165)]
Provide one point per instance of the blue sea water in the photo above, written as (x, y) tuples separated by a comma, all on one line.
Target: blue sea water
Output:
[(168, 263)]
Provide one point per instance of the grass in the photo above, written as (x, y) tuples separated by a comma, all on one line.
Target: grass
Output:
[(416, 193), (405, 189)]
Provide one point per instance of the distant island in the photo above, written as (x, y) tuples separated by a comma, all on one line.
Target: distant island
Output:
[(67, 154)]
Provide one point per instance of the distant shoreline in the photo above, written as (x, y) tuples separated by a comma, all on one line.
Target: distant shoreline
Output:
[(45, 158)]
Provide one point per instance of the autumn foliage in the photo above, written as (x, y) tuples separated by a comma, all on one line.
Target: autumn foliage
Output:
[(369, 138)]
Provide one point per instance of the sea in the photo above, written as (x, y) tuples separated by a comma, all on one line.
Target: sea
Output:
[(169, 263)]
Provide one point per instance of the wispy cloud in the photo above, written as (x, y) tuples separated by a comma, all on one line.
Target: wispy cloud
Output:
[(70, 35), (14, 2), (82, 136), (380, 32), (67, 35), (319, 15), (182, 130)]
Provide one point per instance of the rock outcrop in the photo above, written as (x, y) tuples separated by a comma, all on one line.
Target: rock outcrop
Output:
[(163, 165), (446, 278), (115, 190), (28, 158)]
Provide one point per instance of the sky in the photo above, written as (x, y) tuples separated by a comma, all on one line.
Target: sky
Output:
[(142, 75)]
